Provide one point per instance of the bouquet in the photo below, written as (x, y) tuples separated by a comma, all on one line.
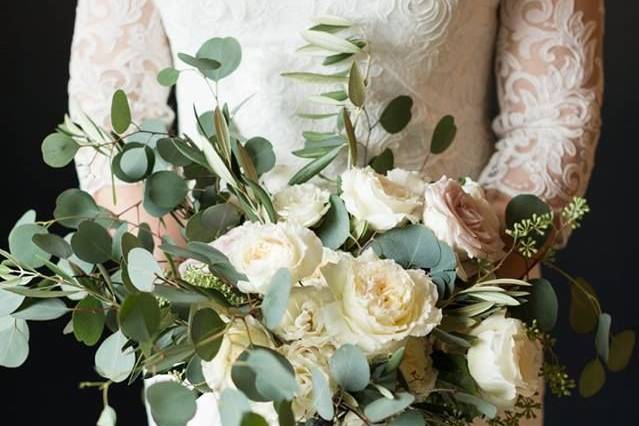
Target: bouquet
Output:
[(372, 297)]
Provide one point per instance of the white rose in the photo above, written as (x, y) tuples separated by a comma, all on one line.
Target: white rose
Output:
[(417, 367), (305, 204), (377, 303), (304, 355), (503, 361), (382, 201), (260, 250), (303, 317), (217, 372), (462, 217)]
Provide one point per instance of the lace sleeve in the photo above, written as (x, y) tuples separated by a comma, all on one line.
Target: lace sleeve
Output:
[(117, 44), (549, 82)]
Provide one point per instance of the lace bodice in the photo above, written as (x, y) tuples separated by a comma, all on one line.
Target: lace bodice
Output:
[(439, 52)]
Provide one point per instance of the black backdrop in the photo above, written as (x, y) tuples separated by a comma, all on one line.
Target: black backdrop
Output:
[(35, 49)]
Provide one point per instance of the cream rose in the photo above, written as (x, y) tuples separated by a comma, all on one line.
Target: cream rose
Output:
[(217, 372), (260, 250), (461, 217), (305, 204), (382, 201), (377, 304), (503, 361), (303, 317), (304, 356), (417, 367)]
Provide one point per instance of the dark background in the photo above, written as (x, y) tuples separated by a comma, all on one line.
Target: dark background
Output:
[(35, 50)]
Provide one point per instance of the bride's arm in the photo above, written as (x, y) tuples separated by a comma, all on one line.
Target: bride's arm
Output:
[(549, 82), (116, 45)]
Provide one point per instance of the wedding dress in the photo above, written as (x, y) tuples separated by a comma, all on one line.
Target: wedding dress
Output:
[(542, 58)]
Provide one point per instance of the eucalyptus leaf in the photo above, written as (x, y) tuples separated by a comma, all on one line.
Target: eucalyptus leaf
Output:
[(356, 86), (335, 228), (143, 270), (171, 403), (592, 378), (443, 135), (73, 207), (226, 51), (411, 246), (322, 395), (486, 408), (350, 369), (384, 408), (262, 155), (139, 317), (53, 244), (88, 320), (383, 162), (92, 243), (23, 248), (58, 150), (621, 349), (204, 65), (9, 301), (602, 338), (397, 114), (41, 310), (583, 309), (112, 360), (276, 298), (408, 418), (206, 331), (134, 163), (120, 112), (14, 342), (108, 417), (264, 375), (233, 405), (163, 192), (168, 150), (253, 419), (168, 76)]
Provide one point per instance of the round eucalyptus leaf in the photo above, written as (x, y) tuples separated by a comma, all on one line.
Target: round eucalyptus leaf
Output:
[(264, 375), (54, 245), (203, 65), (209, 224), (253, 419), (384, 408), (120, 112), (410, 246), (397, 114), (21, 245), (542, 305), (140, 317), (592, 378), (143, 269), (335, 228), (171, 403), (195, 376), (112, 361), (276, 298), (58, 150), (108, 417), (383, 162), (408, 418), (14, 342), (168, 76), (350, 369), (261, 153), (522, 207), (88, 320), (41, 310), (73, 207), (621, 349), (227, 51), (443, 135), (165, 189), (92, 243), (232, 406), (134, 163), (170, 153), (206, 329), (9, 302)]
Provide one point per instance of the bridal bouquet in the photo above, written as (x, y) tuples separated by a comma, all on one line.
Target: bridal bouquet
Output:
[(346, 292)]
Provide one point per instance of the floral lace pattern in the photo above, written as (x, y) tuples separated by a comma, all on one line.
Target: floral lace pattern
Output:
[(550, 81)]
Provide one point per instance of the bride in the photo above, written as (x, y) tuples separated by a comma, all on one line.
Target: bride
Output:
[(547, 83)]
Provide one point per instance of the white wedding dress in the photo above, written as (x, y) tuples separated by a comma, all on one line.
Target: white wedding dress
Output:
[(540, 59)]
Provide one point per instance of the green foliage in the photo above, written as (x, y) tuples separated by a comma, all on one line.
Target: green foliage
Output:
[(350, 369), (408, 418), (163, 192), (41, 310), (225, 51), (73, 207), (397, 114), (14, 342), (383, 408), (602, 338), (206, 331), (23, 248), (139, 317), (383, 162), (592, 378), (143, 270), (134, 163), (335, 228), (621, 348), (120, 112), (264, 375), (443, 135), (322, 400), (314, 167), (233, 405), (207, 225), (168, 76), (261, 153), (53, 244), (88, 320), (112, 360), (356, 86), (411, 246), (92, 243), (584, 307), (276, 299), (59, 149), (171, 403), (542, 305)]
